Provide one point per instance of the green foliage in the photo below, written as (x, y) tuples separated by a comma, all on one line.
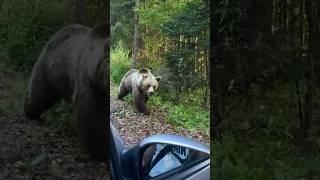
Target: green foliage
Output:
[(118, 33), (129, 99), (25, 27), (188, 20), (191, 117), (180, 62), (152, 63), (156, 13), (122, 15), (120, 63), (61, 115)]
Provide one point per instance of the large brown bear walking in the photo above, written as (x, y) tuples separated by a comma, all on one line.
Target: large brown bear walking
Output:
[(142, 84), (74, 66)]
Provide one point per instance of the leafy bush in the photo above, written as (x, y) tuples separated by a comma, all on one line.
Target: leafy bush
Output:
[(120, 63), (189, 116)]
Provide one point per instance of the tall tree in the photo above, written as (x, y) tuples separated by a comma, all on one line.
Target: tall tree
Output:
[(135, 36), (78, 11), (313, 17)]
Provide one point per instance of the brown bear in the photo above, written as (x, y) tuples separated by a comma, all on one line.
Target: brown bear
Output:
[(142, 84), (74, 65)]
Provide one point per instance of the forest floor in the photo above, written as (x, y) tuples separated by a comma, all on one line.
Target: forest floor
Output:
[(32, 150), (133, 126)]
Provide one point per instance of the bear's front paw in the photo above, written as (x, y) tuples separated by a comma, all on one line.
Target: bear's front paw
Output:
[(119, 97)]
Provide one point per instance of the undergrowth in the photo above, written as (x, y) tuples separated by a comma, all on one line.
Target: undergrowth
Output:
[(260, 139), (189, 116), (61, 116), (120, 63)]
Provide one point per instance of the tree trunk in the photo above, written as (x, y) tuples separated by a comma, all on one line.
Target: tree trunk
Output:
[(78, 11), (216, 98), (135, 37), (312, 8), (207, 76), (302, 22), (299, 103), (105, 9)]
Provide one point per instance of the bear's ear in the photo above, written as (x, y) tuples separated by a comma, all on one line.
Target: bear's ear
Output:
[(144, 76), (158, 78), (144, 70)]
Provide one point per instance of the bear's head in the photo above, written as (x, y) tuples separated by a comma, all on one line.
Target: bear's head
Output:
[(149, 83)]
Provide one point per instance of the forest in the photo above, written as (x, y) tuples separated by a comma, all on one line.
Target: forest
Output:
[(171, 38), (265, 91)]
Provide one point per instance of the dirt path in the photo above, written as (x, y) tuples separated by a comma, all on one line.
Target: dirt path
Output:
[(31, 150), (133, 126)]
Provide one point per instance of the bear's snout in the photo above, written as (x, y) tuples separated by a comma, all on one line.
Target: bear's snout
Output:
[(150, 93)]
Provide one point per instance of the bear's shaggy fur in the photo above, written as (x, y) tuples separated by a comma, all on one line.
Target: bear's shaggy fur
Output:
[(74, 66), (142, 84)]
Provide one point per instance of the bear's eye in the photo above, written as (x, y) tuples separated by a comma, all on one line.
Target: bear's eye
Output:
[(149, 85)]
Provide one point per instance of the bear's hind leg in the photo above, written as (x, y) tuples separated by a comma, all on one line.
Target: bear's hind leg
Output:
[(122, 91), (39, 97), (140, 103), (91, 114)]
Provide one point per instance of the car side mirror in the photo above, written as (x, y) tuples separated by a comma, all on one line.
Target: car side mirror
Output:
[(161, 158)]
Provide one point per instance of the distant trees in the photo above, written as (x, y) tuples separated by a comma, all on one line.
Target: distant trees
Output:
[(259, 44), (172, 33)]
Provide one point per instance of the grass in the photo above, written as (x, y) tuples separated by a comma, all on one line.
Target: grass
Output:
[(190, 116)]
